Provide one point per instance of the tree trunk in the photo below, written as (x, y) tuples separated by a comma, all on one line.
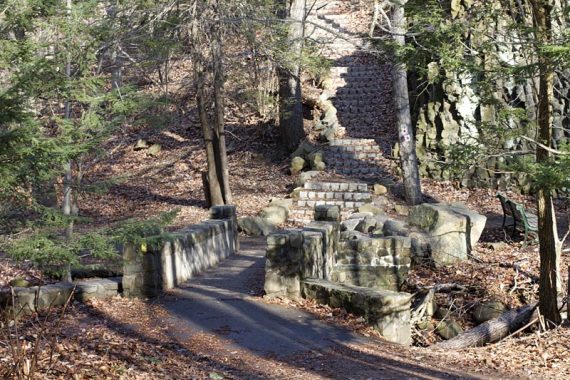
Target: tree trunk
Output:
[(491, 331), (214, 189), (221, 157), (408, 159), (290, 102), (549, 244), (67, 206)]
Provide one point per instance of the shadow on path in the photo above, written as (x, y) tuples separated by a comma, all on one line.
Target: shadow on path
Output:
[(222, 302)]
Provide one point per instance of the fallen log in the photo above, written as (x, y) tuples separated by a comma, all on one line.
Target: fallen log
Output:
[(491, 331)]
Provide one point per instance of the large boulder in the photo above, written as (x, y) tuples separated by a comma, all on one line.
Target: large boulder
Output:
[(297, 165), (452, 230), (486, 311), (275, 214), (306, 177), (255, 226), (316, 160)]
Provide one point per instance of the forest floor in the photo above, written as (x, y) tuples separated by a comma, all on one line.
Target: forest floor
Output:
[(91, 341), (119, 338)]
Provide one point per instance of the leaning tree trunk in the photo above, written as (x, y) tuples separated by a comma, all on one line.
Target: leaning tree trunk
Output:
[(550, 245), (290, 103), (215, 192), (491, 331), (408, 159)]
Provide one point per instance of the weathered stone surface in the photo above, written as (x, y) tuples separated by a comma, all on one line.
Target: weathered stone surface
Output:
[(486, 311), (450, 228), (369, 207), (395, 228), (390, 277), (54, 295), (352, 235), (180, 256), (99, 288), (448, 329), (331, 235), (306, 176), (297, 165), (367, 224), (387, 311), (475, 223), (360, 215), (274, 214), (380, 189), (327, 213), (284, 264), (349, 224), (255, 226)]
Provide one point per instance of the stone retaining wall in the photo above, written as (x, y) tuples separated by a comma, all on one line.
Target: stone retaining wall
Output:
[(27, 300), (183, 255)]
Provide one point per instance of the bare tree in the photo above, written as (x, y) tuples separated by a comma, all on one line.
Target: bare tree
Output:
[(290, 103), (408, 159)]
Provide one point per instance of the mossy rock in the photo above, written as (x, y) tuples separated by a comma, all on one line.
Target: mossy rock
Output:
[(19, 282)]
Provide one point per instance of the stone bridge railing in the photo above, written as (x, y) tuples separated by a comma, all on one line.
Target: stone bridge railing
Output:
[(182, 255)]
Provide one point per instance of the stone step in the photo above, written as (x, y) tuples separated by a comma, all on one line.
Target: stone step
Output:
[(350, 164), (350, 142), (333, 195), (356, 148), (336, 186), (345, 205), (361, 156), (347, 170)]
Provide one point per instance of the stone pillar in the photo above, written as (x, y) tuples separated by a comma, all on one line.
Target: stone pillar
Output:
[(141, 272), (313, 260), (228, 212), (283, 264), (330, 232)]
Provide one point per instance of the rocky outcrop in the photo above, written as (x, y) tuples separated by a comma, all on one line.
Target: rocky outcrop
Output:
[(452, 110)]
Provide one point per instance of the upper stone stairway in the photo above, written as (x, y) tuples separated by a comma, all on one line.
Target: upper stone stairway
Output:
[(359, 87)]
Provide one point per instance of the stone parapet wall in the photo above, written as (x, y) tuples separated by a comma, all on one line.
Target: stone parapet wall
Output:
[(21, 300), (379, 263), (359, 275), (181, 256), (387, 311)]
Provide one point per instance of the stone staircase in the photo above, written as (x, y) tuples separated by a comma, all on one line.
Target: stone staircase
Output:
[(347, 195), (359, 87)]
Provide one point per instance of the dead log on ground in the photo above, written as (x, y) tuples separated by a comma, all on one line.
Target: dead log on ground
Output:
[(491, 331)]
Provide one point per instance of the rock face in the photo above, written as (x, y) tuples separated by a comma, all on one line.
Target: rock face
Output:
[(452, 230), (451, 109)]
